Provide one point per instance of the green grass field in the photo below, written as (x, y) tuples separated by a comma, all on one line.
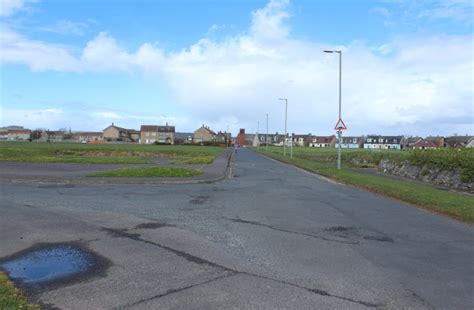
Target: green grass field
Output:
[(147, 172), (105, 153), (322, 161), (11, 298)]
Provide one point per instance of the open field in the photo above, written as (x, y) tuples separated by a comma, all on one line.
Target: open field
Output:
[(147, 172), (106, 153), (317, 160)]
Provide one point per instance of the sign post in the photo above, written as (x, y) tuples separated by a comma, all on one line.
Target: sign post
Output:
[(340, 126)]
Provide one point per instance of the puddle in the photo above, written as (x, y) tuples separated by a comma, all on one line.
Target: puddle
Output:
[(51, 263)]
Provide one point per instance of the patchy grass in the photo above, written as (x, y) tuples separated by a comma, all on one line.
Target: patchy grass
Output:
[(104, 153), (197, 160), (455, 205), (11, 297), (147, 172)]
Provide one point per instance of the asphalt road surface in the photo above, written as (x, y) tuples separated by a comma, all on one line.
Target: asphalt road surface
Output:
[(271, 237)]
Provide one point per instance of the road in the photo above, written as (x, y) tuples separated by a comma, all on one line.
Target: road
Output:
[(271, 237)]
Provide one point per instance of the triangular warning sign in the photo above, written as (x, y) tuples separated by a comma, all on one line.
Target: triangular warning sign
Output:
[(340, 125)]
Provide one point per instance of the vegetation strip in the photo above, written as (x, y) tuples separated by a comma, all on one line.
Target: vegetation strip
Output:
[(147, 172), (11, 297), (106, 153), (454, 205)]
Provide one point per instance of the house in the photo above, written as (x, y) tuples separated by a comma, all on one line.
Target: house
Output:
[(53, 136), (409, 142), (438, 140), (88, 136), (323, 141), (424, 145), (244, 139), (18, 134), (223, 137), (459, 142), (3, 134), (352, 142), (383, 142), (160, 134), (204, 134), (134, 135), (183, 137), (301, 140), (116, 133)]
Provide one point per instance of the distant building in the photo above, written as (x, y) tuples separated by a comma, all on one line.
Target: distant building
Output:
[(18, 134), (408, 143), (116, 133), (53, 136), (459, 142), (383, 142), (3, 134), (352, 142), (204, 134), (438, 140), (161, 134), (424, 145), (88, 136), (183, 137), (301, 140), (323, 141), (223, 137), (244, 139)]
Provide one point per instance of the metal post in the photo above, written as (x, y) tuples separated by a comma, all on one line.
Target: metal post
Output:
[(266, 136), (258, 136), (340, 131)]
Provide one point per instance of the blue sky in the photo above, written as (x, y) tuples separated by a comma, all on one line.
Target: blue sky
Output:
[(407, 65)]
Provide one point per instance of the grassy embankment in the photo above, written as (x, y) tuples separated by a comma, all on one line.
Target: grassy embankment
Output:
[(106, 153), (11, 297), (322, 162)]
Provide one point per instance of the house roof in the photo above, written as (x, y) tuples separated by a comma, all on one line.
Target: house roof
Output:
[(209, 130), (90, 133), (120, 129), (183, 135), (425, 143), (19, 131), (153, 128), (322, 139)]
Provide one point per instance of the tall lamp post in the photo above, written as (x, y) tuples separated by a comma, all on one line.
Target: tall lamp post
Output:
[(266, 136), (286, 121), (339, 132)]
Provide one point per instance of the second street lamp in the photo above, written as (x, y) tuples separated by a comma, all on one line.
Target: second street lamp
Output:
[(339, 132), (286, 121)]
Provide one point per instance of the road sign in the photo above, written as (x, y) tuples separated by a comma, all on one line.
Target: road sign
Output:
[(340, 125)]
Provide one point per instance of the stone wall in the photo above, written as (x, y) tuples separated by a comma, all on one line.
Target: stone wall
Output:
[(433, 175)]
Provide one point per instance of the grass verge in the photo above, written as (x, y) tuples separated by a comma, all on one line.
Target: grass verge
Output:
[(454, 205), (11, 297), (147, 172), (64, 152)]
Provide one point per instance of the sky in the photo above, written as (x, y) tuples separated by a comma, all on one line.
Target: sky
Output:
[(407, 66)]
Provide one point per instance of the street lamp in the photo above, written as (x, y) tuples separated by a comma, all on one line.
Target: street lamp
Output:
[(266, 136), (339, 132), (286, 121)]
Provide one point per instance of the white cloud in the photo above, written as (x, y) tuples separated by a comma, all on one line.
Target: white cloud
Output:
[(64, 27), (405, 86), (8, 7), (38, 55)]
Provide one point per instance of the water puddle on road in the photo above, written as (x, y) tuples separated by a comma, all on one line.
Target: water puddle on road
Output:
[(49, 263)]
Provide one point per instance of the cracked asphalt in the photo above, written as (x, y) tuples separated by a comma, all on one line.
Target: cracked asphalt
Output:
[(271, 237)]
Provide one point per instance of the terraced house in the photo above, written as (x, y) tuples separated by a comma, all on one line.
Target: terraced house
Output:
[(383, 142), (159, 134)]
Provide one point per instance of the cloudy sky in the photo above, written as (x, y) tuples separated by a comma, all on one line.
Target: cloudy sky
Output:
[(407, 65)]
